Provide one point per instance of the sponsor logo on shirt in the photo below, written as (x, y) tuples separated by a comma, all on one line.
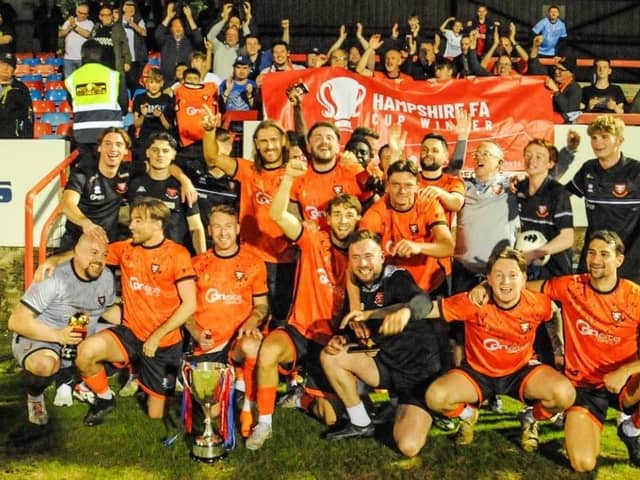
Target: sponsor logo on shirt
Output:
[(314, 213), (148, 290), (493, 344), (587, 330), (215, 296)]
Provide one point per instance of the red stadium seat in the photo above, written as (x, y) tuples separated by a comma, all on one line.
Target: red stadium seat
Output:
[(65, 107), (54, 85), (41, 128), (43, 106), (22, 55), (65, 129), (33, 84), (44, 56)]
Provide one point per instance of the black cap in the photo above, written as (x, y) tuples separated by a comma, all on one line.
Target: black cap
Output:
[(242, 60), (9, 59)]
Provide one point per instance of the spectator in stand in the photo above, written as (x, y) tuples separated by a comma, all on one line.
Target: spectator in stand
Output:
[(337, 55), (177, 38), (444, 72), (425, 66), (153, 112), (467, 64), (238, 92), (281, 61), (111, 36), (135, 29), (16, 112), (602, 96), (225, 53), (484, 26), (567, 93), (508, 47), (202, 62), (7, 36), (392, 63), (259, 59), (453, 37), (553, 31), (75, 31), (339, 58), (414, 29), (47, 17)]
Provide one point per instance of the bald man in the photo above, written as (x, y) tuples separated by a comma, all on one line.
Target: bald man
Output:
[(40, 322)]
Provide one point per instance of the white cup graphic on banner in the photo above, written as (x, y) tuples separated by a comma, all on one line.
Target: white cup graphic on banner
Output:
[(341, 98)]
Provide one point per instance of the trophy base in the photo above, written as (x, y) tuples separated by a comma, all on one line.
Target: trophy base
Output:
[(208, 453)]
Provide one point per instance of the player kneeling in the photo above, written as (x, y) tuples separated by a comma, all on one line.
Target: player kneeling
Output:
[(499, 350)]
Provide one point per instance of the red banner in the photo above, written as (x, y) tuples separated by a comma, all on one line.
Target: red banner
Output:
[(508, 111)]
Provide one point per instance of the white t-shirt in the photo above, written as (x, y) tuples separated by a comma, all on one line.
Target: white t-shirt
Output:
[(453, 44), (73, 41)]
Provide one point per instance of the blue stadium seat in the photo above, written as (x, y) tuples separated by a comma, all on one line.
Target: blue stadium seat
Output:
[(127, 120), (55, 61), (32, 62), (35, 94), (57, 95), (55, 118), (31, 77), (55, 77)]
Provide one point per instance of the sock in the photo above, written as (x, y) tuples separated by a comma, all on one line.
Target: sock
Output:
[(358, 415), (528, 415), (539, 412), (266, 399), (35, 384), (239, 385), (99, 384), (306, 402), (629, 428), (456, 412), (65, 375), (249, 368), (265, 419), (468, 412)]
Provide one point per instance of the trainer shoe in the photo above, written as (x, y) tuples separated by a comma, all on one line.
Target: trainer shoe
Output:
[(443, 423), (495, 404), (83, 393), (292, 398), (260, 434), (632, 444), (529, 438), (37, 410), (98, 410), (64, 396), (130, 388), (464, 435), (246, 423), (343, 432)]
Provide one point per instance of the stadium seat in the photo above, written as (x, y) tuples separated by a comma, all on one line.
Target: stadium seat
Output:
[(65, 107), (44, 56), (31, 77), (32, 62), (55, 77), (33, 85), (22, 55), (65, 129), (41, 107), (55, 118), (144, 73), (56, 62), (155, 61), (137, 91), (54, 85), (35, 94), (22, 70), (41, 128), (44, 70), (57, 95)]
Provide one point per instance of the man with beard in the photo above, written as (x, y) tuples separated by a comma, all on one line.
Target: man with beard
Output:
[(318, 301), (259, 179), (406, 361), (40, 322), (330, 175), (159, 295)]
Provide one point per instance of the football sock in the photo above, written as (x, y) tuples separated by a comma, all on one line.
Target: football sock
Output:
[(99, 384), (358, 415)]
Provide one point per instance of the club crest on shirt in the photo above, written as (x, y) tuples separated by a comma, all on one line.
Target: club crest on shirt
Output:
[(525, 327), (379, 299), (617, 316), (337, 189), (239, 275), (620, 190), (172, 193), (101, 300), (413, 228), (155, 268), (542, 211), (497, 188), (121, 187)]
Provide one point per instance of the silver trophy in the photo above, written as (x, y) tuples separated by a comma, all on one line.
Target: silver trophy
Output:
[(203, 381)]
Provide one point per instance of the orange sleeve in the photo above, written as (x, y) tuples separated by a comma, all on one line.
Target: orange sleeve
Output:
[(457, 307), (183, 267), (372, 220), (456, 185), (259, 286), (115, 251)]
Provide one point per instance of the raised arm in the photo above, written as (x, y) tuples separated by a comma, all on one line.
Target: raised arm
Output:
[(290, 225), (375, 42), (210, 150)]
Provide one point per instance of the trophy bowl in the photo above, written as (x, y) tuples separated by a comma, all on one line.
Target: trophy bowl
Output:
[(203, 381)]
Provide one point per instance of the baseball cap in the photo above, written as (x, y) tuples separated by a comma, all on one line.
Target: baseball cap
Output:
[(9, 59), (315, 50), (242, 60)]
